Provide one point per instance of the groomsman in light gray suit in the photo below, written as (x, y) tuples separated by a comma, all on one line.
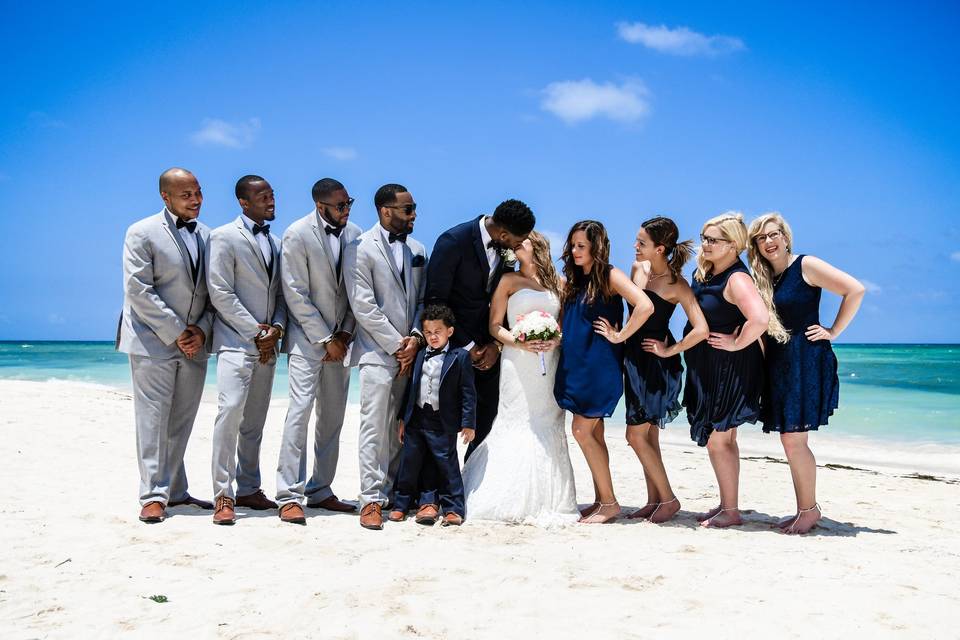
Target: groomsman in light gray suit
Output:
[(244, 284), (164, 329), (386, 281), (320, 329)]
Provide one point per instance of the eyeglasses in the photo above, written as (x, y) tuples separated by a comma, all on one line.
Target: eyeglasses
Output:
[(773, 236), (406, 208), (710, 241), (340, 206)]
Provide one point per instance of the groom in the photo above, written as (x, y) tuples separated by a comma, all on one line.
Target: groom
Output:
[(465, 267)]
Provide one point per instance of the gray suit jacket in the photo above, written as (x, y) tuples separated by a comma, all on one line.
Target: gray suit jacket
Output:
[(386, 307), (317, 305), (243, 290), (160, 297)]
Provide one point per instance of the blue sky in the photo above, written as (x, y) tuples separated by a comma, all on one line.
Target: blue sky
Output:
[(840, 115)]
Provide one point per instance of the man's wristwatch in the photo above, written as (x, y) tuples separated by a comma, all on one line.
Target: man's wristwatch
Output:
[(280, 329)]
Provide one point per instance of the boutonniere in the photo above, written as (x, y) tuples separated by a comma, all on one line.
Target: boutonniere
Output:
[(418, 261), (509, 257)]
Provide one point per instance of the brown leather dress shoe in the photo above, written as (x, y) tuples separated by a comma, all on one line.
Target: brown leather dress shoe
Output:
[(193, 502), (371, 516), (224, 513), (152, 512), (427, 514), (256, 501), (292, 513), (397, 516), (332, 503), (451, 519)]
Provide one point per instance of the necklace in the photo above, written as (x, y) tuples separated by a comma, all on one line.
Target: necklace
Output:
[(654, 276), (778, 277)]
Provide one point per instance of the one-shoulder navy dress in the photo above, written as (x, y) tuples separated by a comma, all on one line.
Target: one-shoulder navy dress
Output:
[(723, 388), (802, 387), (652, 384), (589, 378)]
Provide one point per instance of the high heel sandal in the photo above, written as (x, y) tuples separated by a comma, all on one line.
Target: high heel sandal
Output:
[(600, 506)]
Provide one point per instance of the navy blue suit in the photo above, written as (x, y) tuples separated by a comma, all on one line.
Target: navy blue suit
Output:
[(459, 276), (431, 433)]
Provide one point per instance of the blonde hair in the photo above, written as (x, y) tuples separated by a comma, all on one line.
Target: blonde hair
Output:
[(546, 273), (732, 229), (762, 271)]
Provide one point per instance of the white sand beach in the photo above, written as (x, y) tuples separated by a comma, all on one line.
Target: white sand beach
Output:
[(76, 563)]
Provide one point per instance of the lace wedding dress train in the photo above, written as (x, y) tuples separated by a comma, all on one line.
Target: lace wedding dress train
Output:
[(521, 472)]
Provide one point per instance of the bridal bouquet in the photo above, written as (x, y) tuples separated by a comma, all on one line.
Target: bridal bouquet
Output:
[(536, 325)]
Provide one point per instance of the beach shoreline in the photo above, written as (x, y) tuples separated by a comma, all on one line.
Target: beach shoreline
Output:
[(80, 564)]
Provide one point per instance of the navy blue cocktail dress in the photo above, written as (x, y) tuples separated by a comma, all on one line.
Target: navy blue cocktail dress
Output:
[(589, 378), (723, 388), (652, 384), (802, 389)]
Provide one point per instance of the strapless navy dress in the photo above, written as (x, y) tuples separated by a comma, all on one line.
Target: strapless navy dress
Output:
[(723, 388), (803, 388), (652, 384), (589, 378)]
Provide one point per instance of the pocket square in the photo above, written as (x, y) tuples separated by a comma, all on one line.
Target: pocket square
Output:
[(418, 261)]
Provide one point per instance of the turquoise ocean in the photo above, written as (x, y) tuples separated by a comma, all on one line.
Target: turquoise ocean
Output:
[(899, 392)]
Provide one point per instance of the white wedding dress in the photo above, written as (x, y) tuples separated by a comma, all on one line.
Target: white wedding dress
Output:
[(521, 472)]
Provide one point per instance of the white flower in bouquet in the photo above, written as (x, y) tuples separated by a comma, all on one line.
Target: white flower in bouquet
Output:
[(536, 325), (509, 257)]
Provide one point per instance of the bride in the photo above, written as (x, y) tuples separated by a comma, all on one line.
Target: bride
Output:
[(521, 472)]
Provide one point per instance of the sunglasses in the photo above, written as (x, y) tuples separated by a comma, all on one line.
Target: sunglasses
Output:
[(406, 208), (340, 206)]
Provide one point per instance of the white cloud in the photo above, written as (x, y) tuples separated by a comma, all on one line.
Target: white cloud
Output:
[(220, 133), (340, 153), (955, 256), (871, 287), (576, 100), (678, 42)]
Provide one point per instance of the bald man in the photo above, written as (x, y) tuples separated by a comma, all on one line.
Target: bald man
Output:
[(164, 329)]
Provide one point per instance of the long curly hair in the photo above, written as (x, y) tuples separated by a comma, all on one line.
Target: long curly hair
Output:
[(596, 284), (762, 271), (732, 229), (663, 231), (546, 273)]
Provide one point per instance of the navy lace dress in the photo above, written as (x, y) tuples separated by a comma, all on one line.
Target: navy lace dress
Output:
[(723, 388), (802, 388), (652, 384), (589, 378)]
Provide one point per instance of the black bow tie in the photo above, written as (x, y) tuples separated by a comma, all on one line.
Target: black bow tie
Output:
[(191, 226), (493, 244), (336, 231), (393, 237), (261, 228), (431, 353)]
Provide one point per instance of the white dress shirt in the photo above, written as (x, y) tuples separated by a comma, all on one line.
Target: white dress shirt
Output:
[(262, 241), (333, 242), (189, 239), (395, 247), (430, 380), (493, 254)]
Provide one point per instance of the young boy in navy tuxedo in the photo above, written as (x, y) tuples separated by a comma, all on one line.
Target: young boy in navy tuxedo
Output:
[(440, 401)]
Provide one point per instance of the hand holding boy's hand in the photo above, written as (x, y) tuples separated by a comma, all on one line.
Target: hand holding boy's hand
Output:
[(400, 431), (468, 435)]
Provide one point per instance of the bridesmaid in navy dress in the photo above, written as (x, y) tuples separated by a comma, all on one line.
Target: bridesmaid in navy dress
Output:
[(725, 373), (802, 387), (589, 379), (652, 371)]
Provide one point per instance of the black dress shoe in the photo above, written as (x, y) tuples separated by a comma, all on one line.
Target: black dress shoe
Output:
[(332, 503), (190, 500), (256, 501)]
